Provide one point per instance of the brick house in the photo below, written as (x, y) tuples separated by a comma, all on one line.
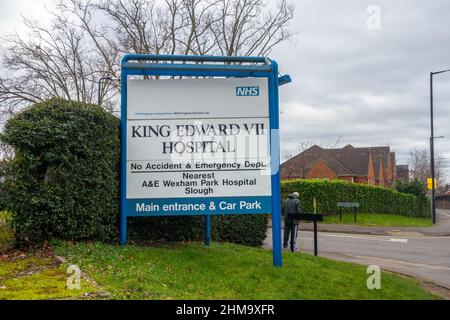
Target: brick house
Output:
[(443, 198), (403, 172), (369, 165)]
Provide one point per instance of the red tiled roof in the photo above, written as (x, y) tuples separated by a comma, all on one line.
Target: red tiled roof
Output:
[(348, 161), (299, 165)]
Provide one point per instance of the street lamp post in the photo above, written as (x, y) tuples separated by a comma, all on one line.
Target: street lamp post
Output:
[(432, 137)]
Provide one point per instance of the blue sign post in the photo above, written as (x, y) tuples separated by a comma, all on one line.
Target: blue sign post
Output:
[(142, 124)]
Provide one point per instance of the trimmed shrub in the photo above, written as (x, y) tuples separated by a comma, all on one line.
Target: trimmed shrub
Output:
[(63, 183), (372, 199), (415, 187), (63, 180), (243, 229)]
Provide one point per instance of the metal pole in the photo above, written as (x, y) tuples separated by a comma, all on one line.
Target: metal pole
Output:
[(433, 205), (315, 238), (275, 167), (207, 229), (123, 175), (293, 235), (433, 191)]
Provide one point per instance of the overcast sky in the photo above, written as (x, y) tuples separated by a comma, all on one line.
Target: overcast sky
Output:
[(367, 86), (364, 86)]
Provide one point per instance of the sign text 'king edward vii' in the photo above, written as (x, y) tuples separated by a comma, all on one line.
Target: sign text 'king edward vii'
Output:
[(198, 146)]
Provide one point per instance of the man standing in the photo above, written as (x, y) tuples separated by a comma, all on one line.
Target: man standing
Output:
[(291, 205)]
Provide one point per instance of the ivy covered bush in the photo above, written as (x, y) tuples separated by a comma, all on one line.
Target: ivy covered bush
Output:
[(63, 183), (64, 179), (372, 199)]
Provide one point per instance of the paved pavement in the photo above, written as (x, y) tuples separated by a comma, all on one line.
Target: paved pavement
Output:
[(409, 252)]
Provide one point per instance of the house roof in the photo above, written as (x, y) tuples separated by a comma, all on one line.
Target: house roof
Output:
[(300, 164), (348, 161), (355, 159), (402, 171), (447, 190)]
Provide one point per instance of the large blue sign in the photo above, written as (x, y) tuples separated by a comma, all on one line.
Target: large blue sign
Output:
[(200, 137)]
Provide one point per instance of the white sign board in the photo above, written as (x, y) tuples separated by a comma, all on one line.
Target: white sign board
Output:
[(198, 146)]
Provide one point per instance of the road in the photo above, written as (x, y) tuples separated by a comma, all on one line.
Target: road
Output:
[(426, 257)]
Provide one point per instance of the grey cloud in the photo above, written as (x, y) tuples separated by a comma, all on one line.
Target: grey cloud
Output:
[(370, 87)]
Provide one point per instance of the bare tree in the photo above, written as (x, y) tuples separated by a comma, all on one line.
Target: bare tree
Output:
[(286, 155), (244, 28), (306, 144), (225, 27), (419, 159), (85, 39), (55, 61), (332, 143), (303, 163)]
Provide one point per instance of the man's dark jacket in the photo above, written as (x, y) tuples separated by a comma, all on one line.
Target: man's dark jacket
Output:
[(291, 205)]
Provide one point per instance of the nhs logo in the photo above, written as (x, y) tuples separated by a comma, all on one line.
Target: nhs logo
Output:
[(247, 91)]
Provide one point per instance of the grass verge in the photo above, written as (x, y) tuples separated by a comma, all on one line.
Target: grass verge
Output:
[(38, 275), (379, 220), (227, 271)]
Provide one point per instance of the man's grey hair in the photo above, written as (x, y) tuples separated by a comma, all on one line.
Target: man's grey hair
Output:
[(296, 194)]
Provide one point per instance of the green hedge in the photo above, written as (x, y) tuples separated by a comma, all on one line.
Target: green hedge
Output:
[(371, 198), (243, 229), (63, 182)]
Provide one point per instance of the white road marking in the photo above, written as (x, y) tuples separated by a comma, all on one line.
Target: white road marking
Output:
[(361, 237), (403, 262), (445, 214), (399, 240), (368, 236), (399, 266)]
